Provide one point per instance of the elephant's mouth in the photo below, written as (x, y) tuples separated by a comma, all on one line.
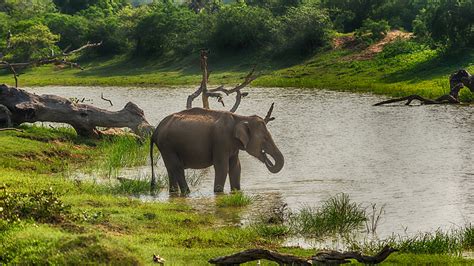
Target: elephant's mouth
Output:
[(268, 160)]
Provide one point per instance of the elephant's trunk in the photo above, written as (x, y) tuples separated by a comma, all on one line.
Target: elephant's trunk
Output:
[(279, 160)]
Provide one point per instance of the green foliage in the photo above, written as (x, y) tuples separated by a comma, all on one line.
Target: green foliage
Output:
[(35, 42), (307, 27), (234, 199), (337, 215), (43, 206), (240, 27), (73, 30), (372, 31), (167, 27), (446, 22)]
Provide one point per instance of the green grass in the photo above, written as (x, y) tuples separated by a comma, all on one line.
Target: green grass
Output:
[(234, 199), (423, 72)]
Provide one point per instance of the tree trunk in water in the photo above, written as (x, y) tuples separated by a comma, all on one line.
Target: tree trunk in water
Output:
[(84, 118)]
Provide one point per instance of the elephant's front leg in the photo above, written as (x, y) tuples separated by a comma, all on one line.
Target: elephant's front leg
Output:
[(234, 172), (221, 168)]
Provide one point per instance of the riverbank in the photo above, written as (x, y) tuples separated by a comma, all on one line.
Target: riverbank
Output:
[(399, 71), (63, 220)]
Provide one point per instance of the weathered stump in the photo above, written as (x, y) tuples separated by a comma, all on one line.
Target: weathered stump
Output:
[(27, 107)]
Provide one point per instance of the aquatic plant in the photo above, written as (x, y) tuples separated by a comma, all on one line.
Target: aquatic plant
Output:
[(234, 199), (337, 215)]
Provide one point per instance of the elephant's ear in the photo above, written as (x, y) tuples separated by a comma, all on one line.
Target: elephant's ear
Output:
[(242, 133)]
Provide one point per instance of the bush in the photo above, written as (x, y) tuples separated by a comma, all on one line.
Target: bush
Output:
[(35, 42), (167, 28), (446, 22), (306, 27), (372, 31), (72, 30), (401, 46), (43, 206), (240, 27)]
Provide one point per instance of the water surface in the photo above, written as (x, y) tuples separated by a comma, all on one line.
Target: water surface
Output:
[(418, 161)]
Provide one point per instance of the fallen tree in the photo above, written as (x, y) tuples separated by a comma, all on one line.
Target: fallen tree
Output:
[(324, 257), (445, 99), (27, 107)]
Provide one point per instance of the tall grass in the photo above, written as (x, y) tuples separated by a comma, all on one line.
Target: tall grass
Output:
[(337, 215), (121, 151)]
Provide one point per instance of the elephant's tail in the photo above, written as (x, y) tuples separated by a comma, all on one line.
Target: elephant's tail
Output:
[(153, 179)]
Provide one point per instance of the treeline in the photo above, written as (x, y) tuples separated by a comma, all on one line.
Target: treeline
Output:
[(35, 28)]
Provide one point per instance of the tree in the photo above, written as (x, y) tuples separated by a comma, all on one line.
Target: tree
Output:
[(36, 42)]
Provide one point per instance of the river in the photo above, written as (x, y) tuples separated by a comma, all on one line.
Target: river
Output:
[(417, 161)]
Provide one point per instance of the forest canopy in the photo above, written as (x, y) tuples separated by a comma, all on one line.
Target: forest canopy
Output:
[(177, 28)]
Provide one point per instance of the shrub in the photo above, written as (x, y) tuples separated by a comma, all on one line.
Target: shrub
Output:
[(34, 42), (72, 30), (167, 28), (43, 206), (240, 27), (372, 31), (306, 27)]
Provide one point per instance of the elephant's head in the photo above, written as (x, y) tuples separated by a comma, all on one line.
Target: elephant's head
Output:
[(254, 137)]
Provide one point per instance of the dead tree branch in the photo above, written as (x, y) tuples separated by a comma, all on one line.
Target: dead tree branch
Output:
[(105, 99), (84, 118), (257, 254), (269, 117), (215, 93), (325, 257), (445, 99), (336, 257)]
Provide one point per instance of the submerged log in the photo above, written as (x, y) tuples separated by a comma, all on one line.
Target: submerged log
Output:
[(84, 118), (445, 99)]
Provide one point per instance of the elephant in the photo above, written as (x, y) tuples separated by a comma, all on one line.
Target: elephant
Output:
[(198, 138)]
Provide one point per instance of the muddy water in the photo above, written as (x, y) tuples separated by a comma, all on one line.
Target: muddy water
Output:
[(418, 161)]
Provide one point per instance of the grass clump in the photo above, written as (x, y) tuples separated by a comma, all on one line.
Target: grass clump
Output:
[(468, 238), (234, 199), (438, 242), (337, 215), (131, 186), (43, 206)]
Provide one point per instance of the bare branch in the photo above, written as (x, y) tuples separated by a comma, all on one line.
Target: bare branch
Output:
[(269, 117), (214, 93), (189, 102), (257, 254), (105, 99)]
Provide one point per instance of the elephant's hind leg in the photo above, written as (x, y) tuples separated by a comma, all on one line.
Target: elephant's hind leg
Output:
[(234, 172), (175, 174)]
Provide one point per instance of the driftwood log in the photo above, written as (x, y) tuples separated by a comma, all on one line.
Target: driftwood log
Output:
[(27, 107), (321, 258), (217, 92)]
